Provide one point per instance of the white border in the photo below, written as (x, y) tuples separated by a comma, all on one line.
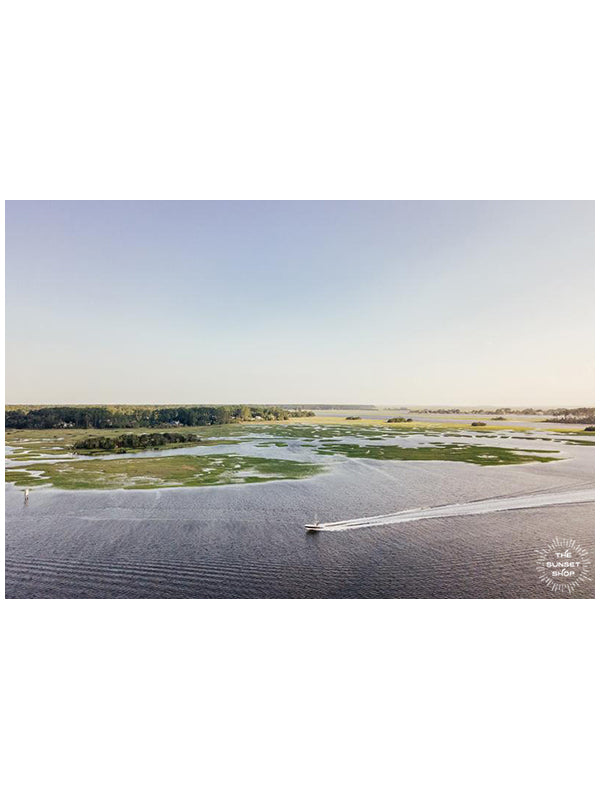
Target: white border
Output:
[(397, 100)]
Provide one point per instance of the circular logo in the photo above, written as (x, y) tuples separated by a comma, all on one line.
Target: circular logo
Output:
[(563, 565)]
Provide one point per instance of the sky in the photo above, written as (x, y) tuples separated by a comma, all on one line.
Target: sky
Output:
[(395, 303)]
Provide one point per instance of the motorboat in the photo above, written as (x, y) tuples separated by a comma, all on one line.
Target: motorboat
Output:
[(314, 527)]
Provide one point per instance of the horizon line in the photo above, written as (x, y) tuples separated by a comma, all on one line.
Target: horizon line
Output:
[(319, 405)]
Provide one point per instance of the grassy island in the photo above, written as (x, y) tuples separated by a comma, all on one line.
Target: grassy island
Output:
[(162, 472), (470, 454)]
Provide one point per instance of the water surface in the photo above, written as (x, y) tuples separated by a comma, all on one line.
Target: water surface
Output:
[(248, 541)]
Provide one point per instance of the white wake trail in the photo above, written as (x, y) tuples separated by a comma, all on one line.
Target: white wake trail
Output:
[(466, 509)]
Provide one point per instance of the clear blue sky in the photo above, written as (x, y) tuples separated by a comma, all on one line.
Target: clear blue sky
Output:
[(368, 302)]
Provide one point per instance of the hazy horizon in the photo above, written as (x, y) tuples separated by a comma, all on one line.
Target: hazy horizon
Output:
[(349, 406), (167, 303)]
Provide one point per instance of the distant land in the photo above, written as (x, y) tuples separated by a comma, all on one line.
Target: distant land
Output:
[(149, 416), (37, 417)]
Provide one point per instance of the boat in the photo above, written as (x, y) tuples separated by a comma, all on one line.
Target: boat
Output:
[(314, 527)]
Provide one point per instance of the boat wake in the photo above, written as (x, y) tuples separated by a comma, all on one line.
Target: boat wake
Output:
[(534, 500)]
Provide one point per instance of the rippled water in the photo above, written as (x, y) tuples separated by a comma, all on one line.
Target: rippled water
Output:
[(249, 540)]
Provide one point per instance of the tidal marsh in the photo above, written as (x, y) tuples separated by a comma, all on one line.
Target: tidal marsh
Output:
[(163, 472), (51, 457), (470, 454)]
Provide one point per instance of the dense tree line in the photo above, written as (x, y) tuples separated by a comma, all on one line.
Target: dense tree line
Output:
[(435, 411), (134, 441), (329, 406), (583, 416), (139, 416)]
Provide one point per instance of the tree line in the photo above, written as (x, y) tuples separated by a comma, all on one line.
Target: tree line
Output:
[(134, 441), (583, 416), (140, 416)]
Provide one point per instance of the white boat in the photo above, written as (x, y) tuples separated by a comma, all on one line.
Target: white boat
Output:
[(315, 527)]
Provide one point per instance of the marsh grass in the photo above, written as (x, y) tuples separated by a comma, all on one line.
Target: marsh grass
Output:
[(470, 454), (164, 472), (34, 449)]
